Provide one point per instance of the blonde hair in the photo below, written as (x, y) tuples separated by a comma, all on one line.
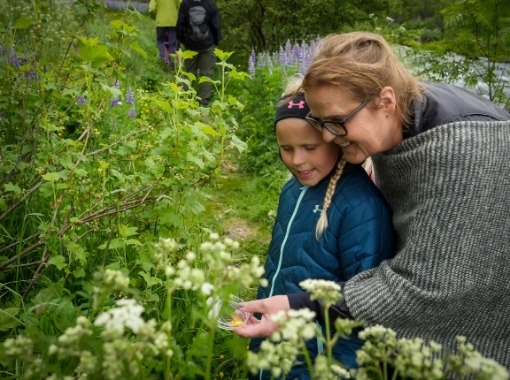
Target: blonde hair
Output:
[(322, 223), (362, 64), (293, 86)]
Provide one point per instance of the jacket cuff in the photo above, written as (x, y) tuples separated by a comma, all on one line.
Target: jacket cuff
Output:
[(302, 300)]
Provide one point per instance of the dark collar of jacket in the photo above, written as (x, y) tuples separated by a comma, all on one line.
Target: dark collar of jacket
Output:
[(446, 103)]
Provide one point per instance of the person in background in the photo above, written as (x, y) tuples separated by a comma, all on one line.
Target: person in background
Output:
[(199, 30), (332, 222), (441, 158), (165, 14)]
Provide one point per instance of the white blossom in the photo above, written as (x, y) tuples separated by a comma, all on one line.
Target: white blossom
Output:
[(126, 314)]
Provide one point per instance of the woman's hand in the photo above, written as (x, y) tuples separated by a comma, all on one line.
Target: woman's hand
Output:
[(264, 327)]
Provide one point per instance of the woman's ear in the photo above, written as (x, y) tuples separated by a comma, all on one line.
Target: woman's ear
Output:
[(388, 100)]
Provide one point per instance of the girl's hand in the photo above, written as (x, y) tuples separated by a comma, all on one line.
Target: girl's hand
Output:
[(264, 327)]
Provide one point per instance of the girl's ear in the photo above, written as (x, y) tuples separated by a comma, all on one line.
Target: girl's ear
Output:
[(388, 100)]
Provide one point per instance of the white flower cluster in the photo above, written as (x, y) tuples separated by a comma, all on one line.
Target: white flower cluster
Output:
[(278, 358), (326, 291), (325, 370), (108, 282), (164, 250), (295, 325), (126, 314), (474, 362), (19, 347), (116, 280), (214, 266), (279, 353), (68, 341)]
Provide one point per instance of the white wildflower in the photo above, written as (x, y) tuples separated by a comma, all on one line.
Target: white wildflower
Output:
[(126, 314), (228, 242), (326, 291), (207, 288), (116, 279), (169, 271), (190, 256)]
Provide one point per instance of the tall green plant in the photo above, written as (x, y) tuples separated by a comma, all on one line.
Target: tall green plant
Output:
[(91, 168), (475, 29)]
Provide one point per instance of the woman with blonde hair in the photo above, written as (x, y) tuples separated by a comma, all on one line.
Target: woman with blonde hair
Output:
[(441, 157)]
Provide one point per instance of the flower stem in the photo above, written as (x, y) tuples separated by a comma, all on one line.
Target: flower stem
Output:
[(168, 314), (210, 352), (329, 347)]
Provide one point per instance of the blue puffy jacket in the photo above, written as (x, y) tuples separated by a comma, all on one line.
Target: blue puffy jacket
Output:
[(359, 236)]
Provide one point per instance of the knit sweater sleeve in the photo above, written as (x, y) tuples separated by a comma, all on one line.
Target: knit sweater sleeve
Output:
[(448, 190)]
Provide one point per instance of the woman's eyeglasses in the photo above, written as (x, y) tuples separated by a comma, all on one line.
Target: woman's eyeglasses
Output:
[(335, 127)]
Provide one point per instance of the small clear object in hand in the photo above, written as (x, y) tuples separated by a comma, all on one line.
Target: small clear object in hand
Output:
[(230, 317)]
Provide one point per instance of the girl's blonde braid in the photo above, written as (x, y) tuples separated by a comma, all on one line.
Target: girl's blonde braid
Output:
[(322, 224)]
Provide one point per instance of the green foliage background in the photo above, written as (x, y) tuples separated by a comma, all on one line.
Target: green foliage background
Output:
[(90, 179)]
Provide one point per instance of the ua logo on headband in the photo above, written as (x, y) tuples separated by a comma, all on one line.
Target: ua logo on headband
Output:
[(300, 104)]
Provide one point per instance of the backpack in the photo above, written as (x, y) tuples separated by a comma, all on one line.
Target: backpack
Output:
[(199, 29)]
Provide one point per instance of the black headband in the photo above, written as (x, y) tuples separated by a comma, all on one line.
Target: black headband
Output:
[(292, 107)]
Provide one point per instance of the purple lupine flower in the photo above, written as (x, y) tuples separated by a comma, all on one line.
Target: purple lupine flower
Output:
[(81, 100), (130, 97), (297, 55), (31, 74), (14, 58), (288, 46), (252, 62), (305, 64), (115, 101), (132, 112)]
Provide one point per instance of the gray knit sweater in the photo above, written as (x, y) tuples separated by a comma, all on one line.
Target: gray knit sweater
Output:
[(449, 189)]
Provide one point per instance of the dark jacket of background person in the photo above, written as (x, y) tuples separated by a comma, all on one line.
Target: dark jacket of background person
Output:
[(213, 20), (359, 237)]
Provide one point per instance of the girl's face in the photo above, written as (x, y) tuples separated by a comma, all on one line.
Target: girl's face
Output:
[(374, 129), (304, 152)]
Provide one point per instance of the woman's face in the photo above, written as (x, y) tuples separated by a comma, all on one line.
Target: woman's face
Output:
[(373, 129), (304, 152)]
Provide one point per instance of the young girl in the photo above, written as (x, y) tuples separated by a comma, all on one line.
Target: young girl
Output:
[(332, 222)]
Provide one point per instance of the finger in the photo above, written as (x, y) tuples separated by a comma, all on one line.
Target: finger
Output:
[(251, 307)]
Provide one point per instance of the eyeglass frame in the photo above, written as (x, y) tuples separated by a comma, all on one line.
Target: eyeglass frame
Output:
[(321, 125)]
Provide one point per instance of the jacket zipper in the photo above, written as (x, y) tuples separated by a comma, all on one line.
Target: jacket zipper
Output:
[(303, 191)]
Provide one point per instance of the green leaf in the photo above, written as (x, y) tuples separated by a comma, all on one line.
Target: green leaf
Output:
[(207, 129), (56, 176), (9, 187), (136, 47), (8, 318), (114, 244), (133, 242), (150, 280), (126, 231), (59, 261), (114, 91), (197, 161), (240, 145), (77, 251), (23, 22), (222, 56), (79, 272), (97, 55)]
